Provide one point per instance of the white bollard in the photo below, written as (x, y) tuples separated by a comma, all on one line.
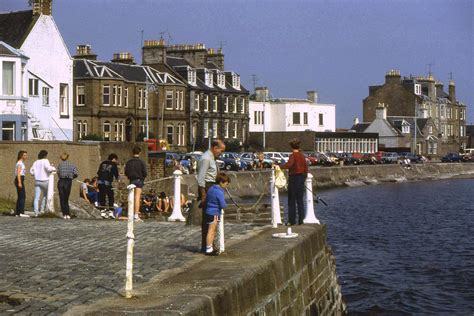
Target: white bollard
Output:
[(220, 232), (176, 215), (50, 194), (310, 218), (274, 202), (130, 242)]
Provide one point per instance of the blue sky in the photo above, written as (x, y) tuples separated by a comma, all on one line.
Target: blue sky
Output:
[(336, 47)]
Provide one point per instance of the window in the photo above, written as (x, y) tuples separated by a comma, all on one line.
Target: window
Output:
[(205, 129), (236, 81), (106, 95), (169, 134), (181, 98), (242, 109), (258, 117), (119, 96), (430, 129), (214, 129), (234, 130), (7, 77), (80, 95), (177, 100), (169, 100), (296, 118), (305, 118), (142, 128), (8, 130), (63, 100), (214, 103), (45, 96), (106, 130), (234, 108), (226, 129), (81, 129), (33, 87), (125, 97), (320, 119), (142, 98), (226, 105), (206, 103), (191, 76), (417, 89), (114, 95), (181, 134), (119, 130), (244, 132), (196, 102)]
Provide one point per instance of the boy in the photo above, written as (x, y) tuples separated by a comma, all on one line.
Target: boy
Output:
[(215, 202), (135, 170)]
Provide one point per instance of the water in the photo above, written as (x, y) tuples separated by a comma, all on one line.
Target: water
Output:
[(403, 248)]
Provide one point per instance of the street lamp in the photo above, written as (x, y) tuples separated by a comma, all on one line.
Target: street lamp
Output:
[(264, 97), (150, 87)]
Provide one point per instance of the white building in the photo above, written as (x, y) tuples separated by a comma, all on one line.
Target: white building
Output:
[(290, 115), (46, 84)]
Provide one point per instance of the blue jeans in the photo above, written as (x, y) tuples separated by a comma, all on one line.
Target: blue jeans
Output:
[(41, 187), (296, 191)]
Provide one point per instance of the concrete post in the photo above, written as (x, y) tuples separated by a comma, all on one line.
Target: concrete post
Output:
[(310, 218), (50, 194), (176, 215), (220, 232), (275, 201), (130, 242)]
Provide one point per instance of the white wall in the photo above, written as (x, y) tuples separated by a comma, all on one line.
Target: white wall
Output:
[(51, 61)]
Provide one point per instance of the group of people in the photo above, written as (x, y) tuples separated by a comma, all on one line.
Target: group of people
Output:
[(161, 204), (99, 190)]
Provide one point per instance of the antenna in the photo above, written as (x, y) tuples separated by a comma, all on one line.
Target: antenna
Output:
[(255, 80), (222, 44), (167, 34), (450, 75), (429, 67)]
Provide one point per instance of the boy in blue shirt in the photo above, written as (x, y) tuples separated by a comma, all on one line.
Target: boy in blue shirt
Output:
[(215, 202)]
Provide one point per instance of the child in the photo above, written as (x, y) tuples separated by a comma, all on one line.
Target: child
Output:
[(163, 203), (215, 202), (148, 203)]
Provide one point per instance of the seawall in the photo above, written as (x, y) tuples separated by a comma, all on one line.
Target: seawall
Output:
[(257, 276)]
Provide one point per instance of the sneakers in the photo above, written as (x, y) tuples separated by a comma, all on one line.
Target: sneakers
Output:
[(67, 217), (22, 215), (111, 214), (137, 218), (104, 214)]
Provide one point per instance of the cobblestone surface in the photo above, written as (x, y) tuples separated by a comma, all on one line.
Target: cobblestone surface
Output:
[(49, 265)]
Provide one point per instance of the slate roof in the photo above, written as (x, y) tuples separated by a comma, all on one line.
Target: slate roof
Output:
[(84, 68), (7, 50), (15, 27), (360, 127), (395, 121)]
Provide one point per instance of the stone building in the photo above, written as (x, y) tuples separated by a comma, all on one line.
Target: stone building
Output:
[(216, 104), (117, 100), (36, 76), (421, 97)]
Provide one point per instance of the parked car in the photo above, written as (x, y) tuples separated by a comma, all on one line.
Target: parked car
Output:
[(451, 157), (231, 161), (311, 158), (413, 158), (469, 157), (390, 157), (276, 157), (170, 156), (323, 160)]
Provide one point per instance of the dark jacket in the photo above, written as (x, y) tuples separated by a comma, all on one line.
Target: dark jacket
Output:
[(108, 171), (135, 169)]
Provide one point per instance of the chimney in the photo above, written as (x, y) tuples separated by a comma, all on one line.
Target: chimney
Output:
[(439, 88), (124, 58), (356, 121), (381, 111), (195, 54), (216, 57), (312, 96), (154, 52), (85, 52), (261, 94), (431, 87), (452, 91), (42, 7), (393, 77)]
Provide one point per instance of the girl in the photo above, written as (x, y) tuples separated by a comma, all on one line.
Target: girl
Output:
[(20, 171)]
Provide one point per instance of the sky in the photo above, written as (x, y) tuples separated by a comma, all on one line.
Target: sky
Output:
[(336, 47)]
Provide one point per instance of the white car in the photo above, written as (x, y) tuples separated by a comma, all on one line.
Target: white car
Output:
[(277, 157)]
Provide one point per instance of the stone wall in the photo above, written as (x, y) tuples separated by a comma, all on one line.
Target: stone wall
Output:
[(258, 276)]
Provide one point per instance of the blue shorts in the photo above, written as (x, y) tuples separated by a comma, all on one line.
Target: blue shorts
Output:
[(210, 218), (139, 183)]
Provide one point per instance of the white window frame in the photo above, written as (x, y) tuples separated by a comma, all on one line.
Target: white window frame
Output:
[(114, 95), (206, 103), (80, 95), (181, 134), (8, 83), (234, 109), (119, 95), (177, 105), (63, 99), (168, 134), (235, 129), (107, 134), (125, 97), (196, 102), (105, 95), (12, 129), (205, 128), (169, 99), (45, 94), (181, 98), (226, 105), (226, 129), (214, 129), (305, 118), (293, 121), (214, 103), (320, 119), (33, 84)]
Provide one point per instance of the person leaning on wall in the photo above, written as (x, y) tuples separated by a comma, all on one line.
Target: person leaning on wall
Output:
[(20, 171), (66, 173)]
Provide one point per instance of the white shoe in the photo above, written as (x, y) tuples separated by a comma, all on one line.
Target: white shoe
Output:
[(68, 217), (24, 215), (111, 214), (103, 214), (65, 216)]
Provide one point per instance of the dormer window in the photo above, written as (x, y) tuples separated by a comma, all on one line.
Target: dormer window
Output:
[(221, 79), (418, 89), (192, 76), (208, 78), (236, 81), (405, 128)]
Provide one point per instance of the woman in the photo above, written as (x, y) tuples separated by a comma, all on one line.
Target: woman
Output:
[(41, 170), (297, 170), (20, 171), (163, 203)]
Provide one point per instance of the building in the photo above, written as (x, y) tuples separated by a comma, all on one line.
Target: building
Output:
[(35, 100), (119, 100), (401, 133), (216, 104), (290, 115), (421, 97)]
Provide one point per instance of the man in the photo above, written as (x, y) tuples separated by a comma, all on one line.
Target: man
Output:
[(206, 177), (66, 172), (135, 170), (107, 172)]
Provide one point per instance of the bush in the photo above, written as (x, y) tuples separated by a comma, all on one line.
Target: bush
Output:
[(232, 145), (92, 137)]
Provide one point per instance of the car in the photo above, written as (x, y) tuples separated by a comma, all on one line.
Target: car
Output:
[(390, 157), (312, 160), (413, 158), (323, 160), (277, 157), (170, 157), (231, 161), (451, 157)]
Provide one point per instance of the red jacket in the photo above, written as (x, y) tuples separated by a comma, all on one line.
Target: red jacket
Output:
[(296, 164)]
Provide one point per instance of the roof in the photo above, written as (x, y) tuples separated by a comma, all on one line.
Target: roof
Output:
[(396, 122), (15, 27), (7, 50), (360, 127), (84, 68)]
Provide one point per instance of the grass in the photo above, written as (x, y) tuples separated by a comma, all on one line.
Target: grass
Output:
[(6, 206)]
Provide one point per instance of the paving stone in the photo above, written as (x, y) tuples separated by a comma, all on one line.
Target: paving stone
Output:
[(52, 265)]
